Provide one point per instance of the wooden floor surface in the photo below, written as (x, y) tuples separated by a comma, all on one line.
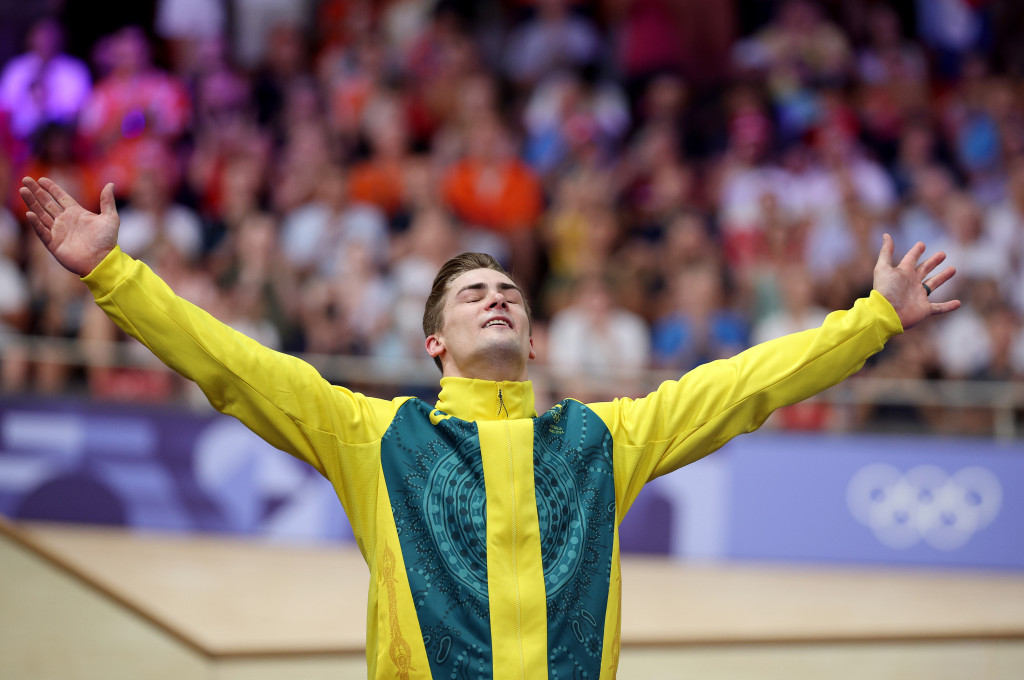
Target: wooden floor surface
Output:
[(236, 597)]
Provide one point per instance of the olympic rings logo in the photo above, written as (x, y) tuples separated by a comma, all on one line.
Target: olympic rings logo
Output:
[(924, 503)]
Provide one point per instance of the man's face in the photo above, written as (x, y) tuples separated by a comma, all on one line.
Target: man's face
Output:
[(486, 332)]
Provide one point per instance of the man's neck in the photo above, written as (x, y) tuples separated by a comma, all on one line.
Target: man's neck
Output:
[(492, 372)]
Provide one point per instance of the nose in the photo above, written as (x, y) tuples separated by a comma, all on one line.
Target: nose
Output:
[(498, 300)]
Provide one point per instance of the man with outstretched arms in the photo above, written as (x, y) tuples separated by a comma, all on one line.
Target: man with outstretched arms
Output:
[(490, 532)]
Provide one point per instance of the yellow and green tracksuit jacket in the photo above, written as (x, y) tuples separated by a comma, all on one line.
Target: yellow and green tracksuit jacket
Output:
[(490, 532)]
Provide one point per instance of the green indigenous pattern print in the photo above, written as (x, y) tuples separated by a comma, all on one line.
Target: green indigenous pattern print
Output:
[(575, 488), (435, 480)]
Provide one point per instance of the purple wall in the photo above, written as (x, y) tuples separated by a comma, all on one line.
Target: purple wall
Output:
[(767, 495)]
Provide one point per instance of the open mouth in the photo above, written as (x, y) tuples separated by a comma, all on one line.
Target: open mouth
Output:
[(498, 322)]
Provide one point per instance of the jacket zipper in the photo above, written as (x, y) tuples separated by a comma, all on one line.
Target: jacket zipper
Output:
[(501, 404), (515, 537)]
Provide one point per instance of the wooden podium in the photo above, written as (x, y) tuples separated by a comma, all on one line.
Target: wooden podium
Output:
[(88, 602)]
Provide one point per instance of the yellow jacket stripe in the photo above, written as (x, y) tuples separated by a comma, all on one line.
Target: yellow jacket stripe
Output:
[(515, 575)]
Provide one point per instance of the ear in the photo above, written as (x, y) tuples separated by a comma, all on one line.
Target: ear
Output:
[(533, 352), (434, 345)]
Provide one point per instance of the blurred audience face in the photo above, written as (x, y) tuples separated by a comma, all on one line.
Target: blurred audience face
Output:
[(594, 296), (963, 218), (488, 141), (433, 235), (665, 98), (332, 189), (129, 52), (388, 134), (797, 288), (799, 16), (697, 290), (285, 49), (883, 26), (932, 186), (45, 39), (150, 190)]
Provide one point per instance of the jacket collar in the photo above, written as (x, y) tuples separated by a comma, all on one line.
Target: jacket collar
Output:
[(471, 399)]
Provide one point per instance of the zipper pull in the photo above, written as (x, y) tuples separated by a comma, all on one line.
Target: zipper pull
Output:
[(501, 404)]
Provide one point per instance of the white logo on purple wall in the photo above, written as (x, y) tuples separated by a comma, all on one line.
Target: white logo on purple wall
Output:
[(924, 503)]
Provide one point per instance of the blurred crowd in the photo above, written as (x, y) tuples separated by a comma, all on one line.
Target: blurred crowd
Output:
[(672, 180)]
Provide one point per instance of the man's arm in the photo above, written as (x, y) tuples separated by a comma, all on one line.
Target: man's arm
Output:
[(281, 398), (686, 419)]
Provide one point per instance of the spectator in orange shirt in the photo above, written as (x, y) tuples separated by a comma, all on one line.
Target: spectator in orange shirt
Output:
[(380, 179), (135, 112), (491, 189)]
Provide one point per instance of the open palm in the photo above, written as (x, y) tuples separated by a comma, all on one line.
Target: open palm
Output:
[(77, 238), (906, 285)]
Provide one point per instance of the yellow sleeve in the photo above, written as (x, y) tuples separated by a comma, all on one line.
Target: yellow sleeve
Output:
[(281, 398), (686, 419)]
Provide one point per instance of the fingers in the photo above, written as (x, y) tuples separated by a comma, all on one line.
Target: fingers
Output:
[(885, 255), (42, 231), (909, 260), (945, 307), (36, 210), (940, 278), (62, 197), (931, 263), (108, 207), (44, 200)]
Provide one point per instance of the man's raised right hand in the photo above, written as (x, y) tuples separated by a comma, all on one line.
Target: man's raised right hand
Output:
[(77, 238)]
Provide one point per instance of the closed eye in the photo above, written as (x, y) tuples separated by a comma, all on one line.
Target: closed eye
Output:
[(511, 293), (476, 292)]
